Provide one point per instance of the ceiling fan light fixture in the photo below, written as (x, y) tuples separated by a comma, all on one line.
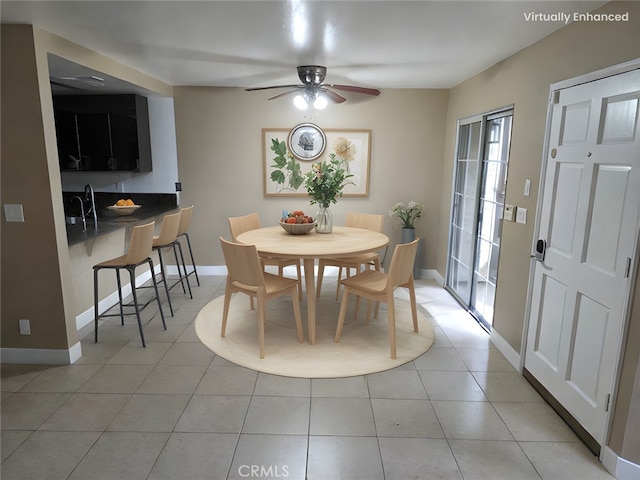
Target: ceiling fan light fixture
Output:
[(300, 102), (320, 102)]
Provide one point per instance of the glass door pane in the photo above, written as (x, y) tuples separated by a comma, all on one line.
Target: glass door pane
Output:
[(491, 208), (482, 156), (463, 219)]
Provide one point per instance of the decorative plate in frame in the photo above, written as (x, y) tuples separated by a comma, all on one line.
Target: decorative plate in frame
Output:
[(307, 141)]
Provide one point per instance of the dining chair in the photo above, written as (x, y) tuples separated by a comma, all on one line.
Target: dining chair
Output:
[(183, 231), (368, 221), (166, 239), (244, 223), (139, 253), (246, 275), (379, 286)]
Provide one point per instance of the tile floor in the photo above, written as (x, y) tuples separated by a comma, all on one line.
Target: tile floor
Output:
[(176, 411)]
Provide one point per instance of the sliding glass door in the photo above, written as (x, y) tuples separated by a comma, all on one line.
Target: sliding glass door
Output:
[(482, 155)]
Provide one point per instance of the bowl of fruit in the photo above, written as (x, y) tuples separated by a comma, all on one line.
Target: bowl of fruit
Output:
[(124, 207), (297, 223)]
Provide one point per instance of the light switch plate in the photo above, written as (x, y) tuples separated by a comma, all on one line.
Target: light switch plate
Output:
[(521, 215), (508, 213), (13, 212)]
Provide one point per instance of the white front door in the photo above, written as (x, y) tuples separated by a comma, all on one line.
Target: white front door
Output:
[(589, 219)]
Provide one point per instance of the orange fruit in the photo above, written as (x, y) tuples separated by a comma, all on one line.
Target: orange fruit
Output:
[(129, 202), (121, 203)]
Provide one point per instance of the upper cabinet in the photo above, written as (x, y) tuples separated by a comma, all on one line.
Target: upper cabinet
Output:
[(103, 133)]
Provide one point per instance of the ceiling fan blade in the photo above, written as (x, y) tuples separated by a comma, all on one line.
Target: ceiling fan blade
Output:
[(288, 92), (351, 88), (333, 96), (274, 86)]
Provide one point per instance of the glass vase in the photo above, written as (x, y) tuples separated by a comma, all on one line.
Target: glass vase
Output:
[(324, 220)]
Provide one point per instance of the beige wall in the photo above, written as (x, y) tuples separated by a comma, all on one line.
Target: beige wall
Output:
[(219, 138)]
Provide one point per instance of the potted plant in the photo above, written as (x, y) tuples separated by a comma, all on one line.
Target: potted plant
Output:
[(408, 215), (324, 183)]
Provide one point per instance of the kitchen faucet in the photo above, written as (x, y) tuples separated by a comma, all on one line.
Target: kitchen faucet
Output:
[(84, 221), (91, 200)]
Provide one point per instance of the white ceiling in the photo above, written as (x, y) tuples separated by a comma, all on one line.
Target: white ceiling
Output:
[(380, 44)]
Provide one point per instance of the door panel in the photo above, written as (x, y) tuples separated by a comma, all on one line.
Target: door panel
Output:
[(589, 217)]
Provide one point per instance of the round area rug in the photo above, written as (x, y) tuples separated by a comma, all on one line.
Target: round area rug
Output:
[(363, 349)]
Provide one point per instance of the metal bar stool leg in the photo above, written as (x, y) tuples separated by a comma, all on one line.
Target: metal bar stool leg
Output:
[(155, 287), (186, 235), (175, 255), (120, 296), (135, 301), (164, 279), (184, 266), (95, 302)]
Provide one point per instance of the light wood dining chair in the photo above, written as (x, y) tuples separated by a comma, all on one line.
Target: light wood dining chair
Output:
[(368, 221), (379, 286), (246, 275), (242, 224), (138, 254)]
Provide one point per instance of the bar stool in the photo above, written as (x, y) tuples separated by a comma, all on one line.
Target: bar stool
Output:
[(185, 221), (165, 239), (138, 254)]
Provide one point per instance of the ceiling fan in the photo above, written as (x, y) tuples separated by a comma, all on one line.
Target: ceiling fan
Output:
[(312, 78)]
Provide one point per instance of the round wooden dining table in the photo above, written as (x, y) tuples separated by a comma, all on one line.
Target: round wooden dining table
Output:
[(341, 242)]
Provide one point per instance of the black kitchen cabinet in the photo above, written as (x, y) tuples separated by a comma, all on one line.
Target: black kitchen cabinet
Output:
[(103, 133)]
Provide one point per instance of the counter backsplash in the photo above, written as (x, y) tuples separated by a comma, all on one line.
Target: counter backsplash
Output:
[(104, 199)]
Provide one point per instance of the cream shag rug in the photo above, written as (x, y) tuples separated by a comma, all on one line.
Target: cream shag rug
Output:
[(363, 349)]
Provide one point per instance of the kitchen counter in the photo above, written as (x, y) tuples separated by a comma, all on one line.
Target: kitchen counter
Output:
[(109, 222)]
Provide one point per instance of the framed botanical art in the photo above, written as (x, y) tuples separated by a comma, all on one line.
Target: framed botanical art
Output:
[(288, 157)]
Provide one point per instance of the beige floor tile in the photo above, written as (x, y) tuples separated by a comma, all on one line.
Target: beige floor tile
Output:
[(229, 380), (65, 378), (340, 387), (10, 440), (418, 459), (173, 379), (14, 377), (188, 354), (396, 384), (116, 379), (534, 422), (353, 458), (270, 456), (490, 459), (564, 461), (120, 455), (27, 411), (506, 387), (485, 360), (470, 421), (135, 354), (277, 415), (195, 456), (452, 386), (230, 412), (48, 455), (149, 413), (286, 386), (86, 412), (341, 416), (98, 353), (439, 358), (405, 418)]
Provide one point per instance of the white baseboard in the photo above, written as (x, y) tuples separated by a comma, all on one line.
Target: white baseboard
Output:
[(41, 356), (619, 467), (507, 350)]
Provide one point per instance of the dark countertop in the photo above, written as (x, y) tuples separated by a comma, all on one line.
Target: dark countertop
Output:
[(109, 222)]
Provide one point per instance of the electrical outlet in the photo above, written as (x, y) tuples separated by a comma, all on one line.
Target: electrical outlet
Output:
[(25, 327), (178, 186), (508, 213)]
